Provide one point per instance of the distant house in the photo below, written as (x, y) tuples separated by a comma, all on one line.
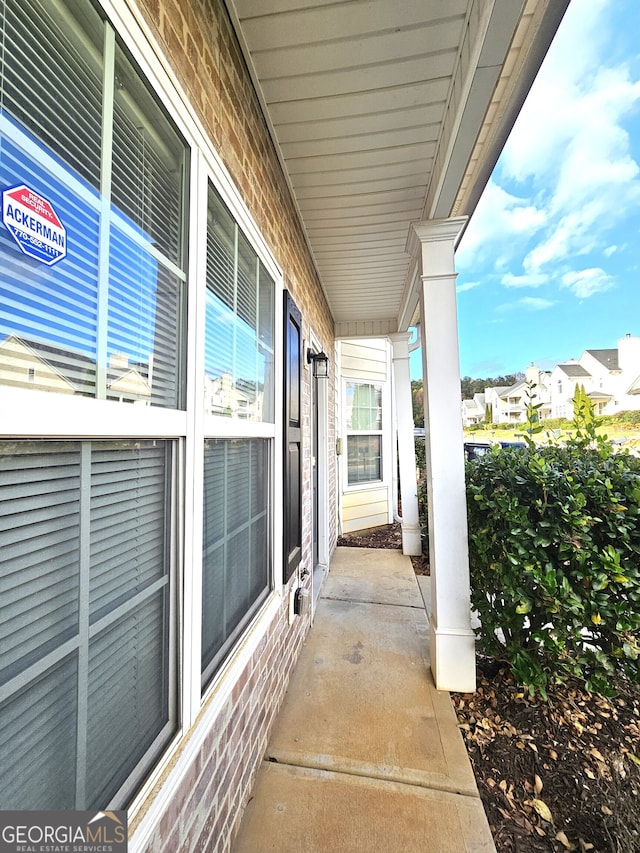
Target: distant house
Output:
[(30, 365), (564, 379), (611, 378), (224, 397), (492, 398), (127, 384), (474, 411), (508, 404), (511, 404), (45, 367)]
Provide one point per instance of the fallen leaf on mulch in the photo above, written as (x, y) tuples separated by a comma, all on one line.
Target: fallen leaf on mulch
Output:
[(562, 838), (543, 810), (581, 750)]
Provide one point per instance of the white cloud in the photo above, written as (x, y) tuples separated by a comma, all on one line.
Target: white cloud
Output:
[(533, 303), (532, 279), (499, 217), (553, 111), (467, 285), (575, 233), (597, 163), (587, 282), (527, 303), (570, 152)]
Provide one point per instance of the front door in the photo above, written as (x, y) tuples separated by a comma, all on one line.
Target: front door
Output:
[(292, 498)]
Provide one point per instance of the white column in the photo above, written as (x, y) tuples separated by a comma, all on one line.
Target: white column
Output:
[(452, 640), (411, 543)]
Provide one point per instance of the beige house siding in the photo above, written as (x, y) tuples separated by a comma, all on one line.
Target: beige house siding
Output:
[(370, 504), (363, 509), (365, 360), (20, 365)]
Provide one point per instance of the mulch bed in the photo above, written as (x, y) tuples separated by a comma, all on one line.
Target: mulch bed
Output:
[(386, 536), (557, 775), (560, 775)]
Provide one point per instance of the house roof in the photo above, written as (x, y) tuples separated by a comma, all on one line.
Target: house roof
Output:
[(573, 370), (47, 355), (517, 386), (385, 114), (634, 388), (599, 395), (607, 357)]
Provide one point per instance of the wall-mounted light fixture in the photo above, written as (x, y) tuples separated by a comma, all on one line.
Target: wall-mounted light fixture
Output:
[(320, 362)]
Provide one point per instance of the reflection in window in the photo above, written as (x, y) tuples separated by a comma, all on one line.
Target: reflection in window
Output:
[(239, 323), (364, 428), (364, 406), (105, 321)]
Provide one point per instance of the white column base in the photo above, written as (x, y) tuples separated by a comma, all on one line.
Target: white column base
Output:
[(453, 658), (411, 540)]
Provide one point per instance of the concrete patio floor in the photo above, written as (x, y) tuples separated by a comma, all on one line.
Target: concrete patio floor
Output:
[(366, 756)]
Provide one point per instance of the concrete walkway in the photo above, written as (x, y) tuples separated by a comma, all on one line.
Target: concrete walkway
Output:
[(366, 756)]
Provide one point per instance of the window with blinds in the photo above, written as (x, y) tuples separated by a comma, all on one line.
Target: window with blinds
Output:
[(80, 127), (236, 564), (239, 364), (87, 693), (364, 432), (239, 385)]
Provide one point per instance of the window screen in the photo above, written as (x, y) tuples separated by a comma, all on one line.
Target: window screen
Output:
[(236, 548), (85, 685), (106, 320)]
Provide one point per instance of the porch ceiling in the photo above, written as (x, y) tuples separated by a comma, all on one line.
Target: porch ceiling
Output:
[(386, 113)]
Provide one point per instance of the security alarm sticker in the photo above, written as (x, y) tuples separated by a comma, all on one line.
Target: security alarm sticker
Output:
[(34, 224)]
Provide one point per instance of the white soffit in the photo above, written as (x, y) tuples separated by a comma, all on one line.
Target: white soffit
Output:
[(375, 107)]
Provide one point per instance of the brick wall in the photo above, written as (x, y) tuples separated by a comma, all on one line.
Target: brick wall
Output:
[(197, 39), (207, 804)]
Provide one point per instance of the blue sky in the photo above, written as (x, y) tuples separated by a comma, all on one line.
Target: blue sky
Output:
[(550, 262)]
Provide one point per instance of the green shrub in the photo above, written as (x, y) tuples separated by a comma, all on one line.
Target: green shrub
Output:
[(555, 423), (423, 514), (554, 542), (621, 419)]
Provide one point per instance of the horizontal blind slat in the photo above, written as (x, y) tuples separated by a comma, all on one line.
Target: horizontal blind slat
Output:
[(39, 499), (126, 700), (38, 742)]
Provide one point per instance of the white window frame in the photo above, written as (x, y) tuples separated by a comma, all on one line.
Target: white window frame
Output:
[(383, 432), (206, 164)]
